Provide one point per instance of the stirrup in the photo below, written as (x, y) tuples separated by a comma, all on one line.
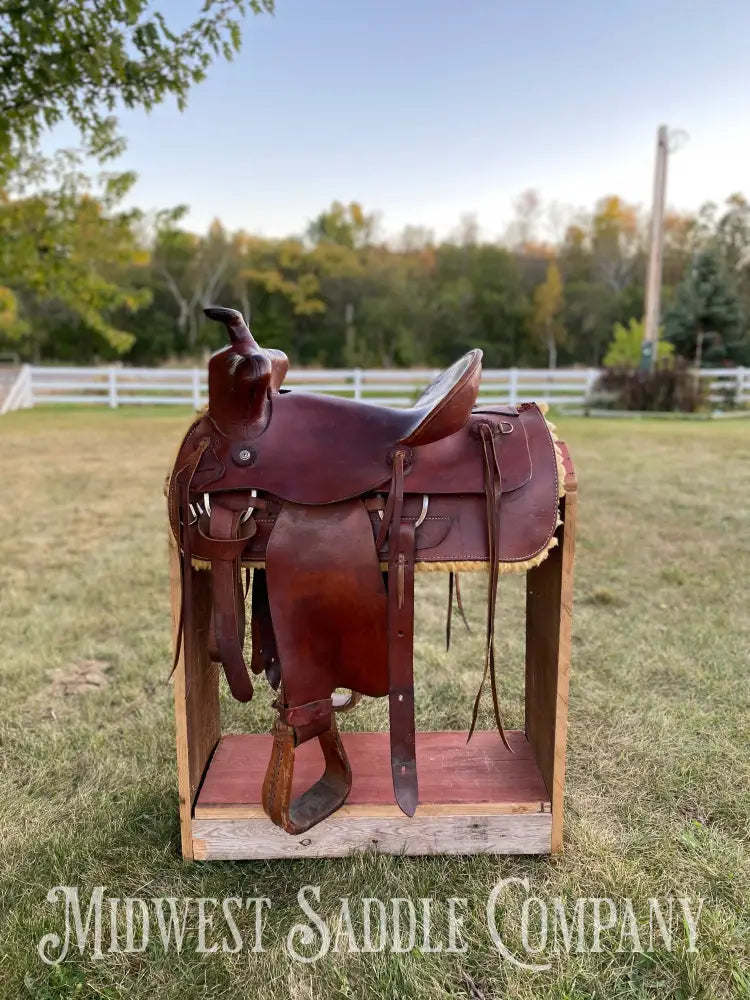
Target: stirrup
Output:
[(345, 702), (320, 800)]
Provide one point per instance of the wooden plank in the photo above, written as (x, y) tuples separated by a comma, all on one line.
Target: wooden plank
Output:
[(337, 837), (549, 606), (564, 651), (453, 775), (196, 695), (369, 811)]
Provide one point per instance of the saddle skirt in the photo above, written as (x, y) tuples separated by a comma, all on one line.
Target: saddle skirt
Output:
[(333, 505), (285, 464)]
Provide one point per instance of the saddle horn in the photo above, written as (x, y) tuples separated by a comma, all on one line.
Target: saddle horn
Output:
[(239, 332), (242, 376)]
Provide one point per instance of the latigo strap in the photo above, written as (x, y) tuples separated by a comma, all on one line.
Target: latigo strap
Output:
[(401, 553), (493, 497), (401, 665)]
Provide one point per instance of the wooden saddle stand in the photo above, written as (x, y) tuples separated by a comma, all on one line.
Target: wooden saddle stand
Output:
[(323, 508)]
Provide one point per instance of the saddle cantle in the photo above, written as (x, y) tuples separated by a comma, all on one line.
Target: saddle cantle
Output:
[(333, 505)]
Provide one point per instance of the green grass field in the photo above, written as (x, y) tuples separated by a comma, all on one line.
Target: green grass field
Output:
[(658, 778)]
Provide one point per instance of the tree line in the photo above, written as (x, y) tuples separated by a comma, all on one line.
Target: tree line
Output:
[(83, 281)]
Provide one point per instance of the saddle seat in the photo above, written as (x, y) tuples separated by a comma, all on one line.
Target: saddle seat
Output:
[(442, 408), (243, 377)]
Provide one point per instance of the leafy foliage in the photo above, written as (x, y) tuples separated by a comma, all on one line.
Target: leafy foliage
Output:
[(80, 59), (11, 327), (68, 257), (625, 349), (706, 316), (83, 280), (548, 304), (91, 282), (71, 263)]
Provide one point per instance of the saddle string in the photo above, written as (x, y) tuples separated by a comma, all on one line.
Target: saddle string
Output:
[(454, 584), (489, 437), (493, 498), (450, 612), (460, 604), (184, 548)]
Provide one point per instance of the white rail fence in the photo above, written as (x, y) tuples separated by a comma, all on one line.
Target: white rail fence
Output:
[(116, 386)]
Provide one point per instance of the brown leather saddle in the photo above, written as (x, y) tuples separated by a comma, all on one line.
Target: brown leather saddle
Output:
[(333, 504)]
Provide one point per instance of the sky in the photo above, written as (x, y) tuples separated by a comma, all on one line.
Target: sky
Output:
[(424, 111)]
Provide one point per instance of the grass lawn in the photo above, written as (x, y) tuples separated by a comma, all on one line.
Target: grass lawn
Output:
[(658, 778)]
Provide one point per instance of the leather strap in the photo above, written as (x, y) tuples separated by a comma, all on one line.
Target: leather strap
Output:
[(395, 502), (319, 801), (265, 651), (401, 551), (493, 499), (308, 720), (228, 603), (181, 479), (401, 665)]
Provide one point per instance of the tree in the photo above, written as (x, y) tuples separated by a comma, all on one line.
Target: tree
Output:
[(191, 269), (345, 225), (69, 258), (681, 238), (81, 58), (704, 321), (66, 256), (616, 242), (11, 327), (276, 281), (590, 310), (624, 350), (548, 304), (475, 298), (527, 208), (733, 232), (83, 281)]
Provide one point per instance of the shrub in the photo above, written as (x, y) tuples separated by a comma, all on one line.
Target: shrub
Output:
[(624, 349), (676, 388)]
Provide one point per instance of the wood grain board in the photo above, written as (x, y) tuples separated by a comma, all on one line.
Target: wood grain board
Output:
[(453, 776), (340, 836)]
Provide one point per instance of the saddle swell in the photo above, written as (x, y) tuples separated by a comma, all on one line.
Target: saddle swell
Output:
[(335, 504)]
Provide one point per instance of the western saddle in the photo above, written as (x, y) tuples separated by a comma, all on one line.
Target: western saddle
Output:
[(333, 504)]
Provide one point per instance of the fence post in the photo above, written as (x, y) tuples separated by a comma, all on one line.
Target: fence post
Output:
[(113, 388), (357, 381), (592, 374), (27, 396), (513, 386), (740, 385), (196, 388)]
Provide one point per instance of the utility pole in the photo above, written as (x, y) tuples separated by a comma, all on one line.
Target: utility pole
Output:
[(653, 281)]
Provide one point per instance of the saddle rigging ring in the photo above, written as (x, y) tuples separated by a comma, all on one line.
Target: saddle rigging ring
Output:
[(422, 513)]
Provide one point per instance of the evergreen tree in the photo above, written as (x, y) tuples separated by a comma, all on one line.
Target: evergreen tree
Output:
[(704, 321)]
